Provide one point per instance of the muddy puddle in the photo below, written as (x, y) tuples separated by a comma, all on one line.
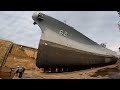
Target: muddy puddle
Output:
[(106, 72)]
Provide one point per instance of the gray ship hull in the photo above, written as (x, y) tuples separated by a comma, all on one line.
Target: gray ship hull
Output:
[(62, 46)]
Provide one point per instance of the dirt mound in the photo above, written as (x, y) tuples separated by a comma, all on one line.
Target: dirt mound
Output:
[(16, 55), (22, 56), (5, 47), (4, 43), (22, 51)]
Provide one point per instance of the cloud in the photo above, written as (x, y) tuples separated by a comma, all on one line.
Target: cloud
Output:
[(100, 26), (17, 26)]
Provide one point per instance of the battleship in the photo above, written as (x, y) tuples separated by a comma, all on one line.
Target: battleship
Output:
[(62, 47)]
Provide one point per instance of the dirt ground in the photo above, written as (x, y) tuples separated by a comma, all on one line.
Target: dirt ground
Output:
[(105, 72)]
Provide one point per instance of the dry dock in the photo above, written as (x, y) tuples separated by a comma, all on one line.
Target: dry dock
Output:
[(25, 56)]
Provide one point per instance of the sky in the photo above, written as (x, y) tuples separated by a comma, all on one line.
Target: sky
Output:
[(100, 26)]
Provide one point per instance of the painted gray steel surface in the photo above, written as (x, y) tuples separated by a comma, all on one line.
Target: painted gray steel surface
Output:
[(58, 36)]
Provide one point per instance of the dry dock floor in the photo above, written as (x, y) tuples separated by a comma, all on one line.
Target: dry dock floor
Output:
[(105, 72)]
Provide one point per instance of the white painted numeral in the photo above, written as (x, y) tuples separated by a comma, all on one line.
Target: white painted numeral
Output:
[(63, 33)]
